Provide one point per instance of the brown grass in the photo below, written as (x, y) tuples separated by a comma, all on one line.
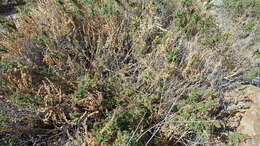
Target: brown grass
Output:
[(100, 69)]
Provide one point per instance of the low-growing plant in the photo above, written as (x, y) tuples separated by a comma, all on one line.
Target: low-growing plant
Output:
[(7, 24), (107, 8), (212, 40), (112, 72), (121, 126), (236, 138), (27, 100), (239, 7), (7, 65), (247, 29), (4, 120), (8, 141), (173, 55), (190, 21), (257, 54), (194, 114)]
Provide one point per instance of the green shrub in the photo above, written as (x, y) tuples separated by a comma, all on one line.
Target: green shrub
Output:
[(194, 113), (107, 8), (119, 128), (173, 55), (6, 65), (239, 7), (4, 120), (236, 138), (190, 21), (8, 141), (26, 101)]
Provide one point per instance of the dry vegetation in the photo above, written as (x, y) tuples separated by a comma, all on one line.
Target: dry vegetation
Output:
[(112, 72)]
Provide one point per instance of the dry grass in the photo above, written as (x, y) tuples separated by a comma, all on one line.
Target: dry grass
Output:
[(104, 72)]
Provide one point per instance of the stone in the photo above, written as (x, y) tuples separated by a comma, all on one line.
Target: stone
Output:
[(250, 123)]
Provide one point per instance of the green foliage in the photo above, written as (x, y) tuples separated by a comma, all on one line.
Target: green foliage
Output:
[(190, 21), (107, 8), (2, 49), (85, 85), (7, 65), (135, 4), (236, 138), (82, 90), (257, 54), (26, 11), (4, 120), (94, 85), (140, 98), (26, 101), (239, 7), (8, 141), (194, 113), (248, 28), (146, 100), (173, 55), (212, 40), (257, 73), (147, 76), (45, 73), (119, 127), (7, 24), (180, 17), (107, 58), (208, 23), (75, 115), (196, 60)]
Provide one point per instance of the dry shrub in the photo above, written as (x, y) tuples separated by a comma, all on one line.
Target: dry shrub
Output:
[(116, 73)]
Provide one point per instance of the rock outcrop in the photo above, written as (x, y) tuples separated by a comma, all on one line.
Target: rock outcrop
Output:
[(250, 123)]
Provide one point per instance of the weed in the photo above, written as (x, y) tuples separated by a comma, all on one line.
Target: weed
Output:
[(257, 54), (120, 126), (196, 60), (257, 73), (194, 113), (4, 120), (213, 40), (75, 115), (209, 4), (7, 24), (236, 138), (147, 76), (7, 65), (43, 73), (26, 101), (135, 4), (239, 7), (247, 29), (85, 85), (250, 26), (190, 21), (2, 49), (8, 141), (173, 55), (208, 23), (107, 8), (25, 11), (107, 71)]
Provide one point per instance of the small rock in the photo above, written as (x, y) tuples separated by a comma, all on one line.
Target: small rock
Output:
[(256, 81)]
